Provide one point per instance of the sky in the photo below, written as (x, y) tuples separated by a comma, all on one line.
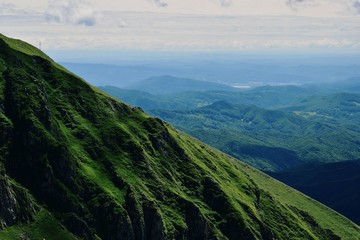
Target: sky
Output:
[(184, 25)]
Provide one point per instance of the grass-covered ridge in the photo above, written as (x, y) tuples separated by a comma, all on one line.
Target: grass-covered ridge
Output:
[(23, 47), (104, 170)]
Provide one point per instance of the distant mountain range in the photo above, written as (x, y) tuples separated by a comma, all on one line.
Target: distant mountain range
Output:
[(227, 71), (350, 85), (170, 85), (269, 97)]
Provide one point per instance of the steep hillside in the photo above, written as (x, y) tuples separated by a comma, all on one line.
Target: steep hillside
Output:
[(334, 184), (270, 140), (78, 164)]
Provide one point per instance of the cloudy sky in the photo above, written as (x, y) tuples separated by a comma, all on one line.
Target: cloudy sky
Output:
[(184, 24)]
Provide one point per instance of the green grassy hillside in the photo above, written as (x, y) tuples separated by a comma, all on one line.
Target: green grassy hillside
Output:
[(271, 140), (78, 164), (321, 181)]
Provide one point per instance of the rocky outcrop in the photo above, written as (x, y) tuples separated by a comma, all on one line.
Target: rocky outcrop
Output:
[(198, 226), (154, 225), (112, 221), (134, 209), (16, 205)]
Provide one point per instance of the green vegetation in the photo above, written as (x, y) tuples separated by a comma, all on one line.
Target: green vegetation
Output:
[(340, 108), (312, 124), (100, 169), (268, 97), (274, 140), (24, 47), (321, 181), (170, 85), (44, 226), (294, 198)]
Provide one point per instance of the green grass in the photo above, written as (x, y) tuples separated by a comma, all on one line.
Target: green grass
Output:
[(24, 47), (267, 139), (310, 128), (325, 216), (45, 226)]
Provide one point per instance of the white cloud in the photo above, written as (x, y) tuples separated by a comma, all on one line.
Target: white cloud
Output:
[(225, 3), (160, 3), (78, 12), (297, 5), (356, 6), (260, 7), (13, 9), (6, 8), (292, 2), (245, 24)]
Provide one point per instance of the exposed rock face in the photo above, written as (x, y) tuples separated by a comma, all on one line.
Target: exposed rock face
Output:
[(8, 204), (198, 226), (15, 204), (78, 226), (136, 215), (112, 220), (154, 225)]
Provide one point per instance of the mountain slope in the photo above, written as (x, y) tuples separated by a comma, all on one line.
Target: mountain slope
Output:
[(270, 140), (76, 163), (335, 108), (334, 184)]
